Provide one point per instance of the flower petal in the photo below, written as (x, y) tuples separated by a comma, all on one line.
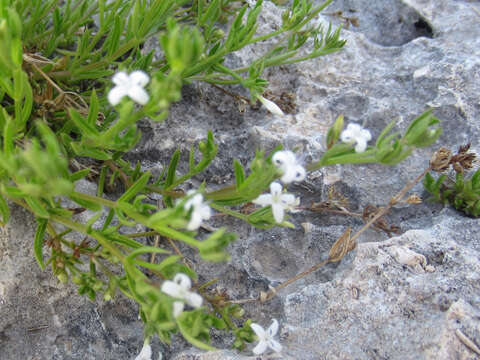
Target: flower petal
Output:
[(293, 173), (260, 348), (271, 106), (263, 200), (194, 300), (195, 221), (284, 158), (258, 330), (116, 94), (274, 345), (172, 289), (183, 281), (178, 308), (273, 329), (346, 136), (300, 173), (205, 211), (361, 145), (288, 200), (139, 77), (278, 212), (366, 134), (275, 189), (145, 353), (138, 94), (121, 79)]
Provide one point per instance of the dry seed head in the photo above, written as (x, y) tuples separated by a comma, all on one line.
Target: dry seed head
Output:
[(440, 160), (414, 199)]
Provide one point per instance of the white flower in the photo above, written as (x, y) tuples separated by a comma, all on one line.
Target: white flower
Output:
[(279, 202), (200, 211), (179, 288), (356, 133), (266, 338), (145, 353), (271, 106), (286, 161), (129, 85)]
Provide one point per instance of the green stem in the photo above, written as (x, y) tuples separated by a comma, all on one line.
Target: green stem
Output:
[(229, 212), (96, 199), (96, 235)]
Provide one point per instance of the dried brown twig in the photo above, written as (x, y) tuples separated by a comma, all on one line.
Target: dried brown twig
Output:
[(343, 245)]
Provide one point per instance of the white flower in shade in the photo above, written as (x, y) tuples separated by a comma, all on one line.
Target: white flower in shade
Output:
[(356, 133), (179, 288), (287, 163), (129, 85), (145, 353), (279, 201), (200, 210), (265, 338), (271, 106)]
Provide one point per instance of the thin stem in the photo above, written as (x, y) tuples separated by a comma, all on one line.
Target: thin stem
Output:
[(229, 211)]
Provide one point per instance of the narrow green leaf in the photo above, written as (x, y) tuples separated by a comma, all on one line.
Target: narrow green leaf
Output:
[(86, 203), (37, 207), (172, 168), (84, 126), (93, 111), (476, 180), (239, 173), (38, 242), (135, 188), (77, 175), (4, 211)]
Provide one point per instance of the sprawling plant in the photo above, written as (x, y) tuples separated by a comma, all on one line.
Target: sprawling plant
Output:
[(75, 81)]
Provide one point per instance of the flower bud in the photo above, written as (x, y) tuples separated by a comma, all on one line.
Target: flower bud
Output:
[(62, 276)]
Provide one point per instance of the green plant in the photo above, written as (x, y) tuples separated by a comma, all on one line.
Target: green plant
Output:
[(63, 121), (463, 192)]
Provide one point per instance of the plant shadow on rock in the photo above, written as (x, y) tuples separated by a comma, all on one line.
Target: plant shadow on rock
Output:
[(387, 23)]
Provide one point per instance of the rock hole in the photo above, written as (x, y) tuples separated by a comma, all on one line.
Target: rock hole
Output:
[(423, 28), (387, 22)]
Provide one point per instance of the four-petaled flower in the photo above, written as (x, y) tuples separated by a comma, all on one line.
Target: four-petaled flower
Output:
[(145, 353), (279, 202), (179, 288), (200, 210), (271, 106), (287, 163), (266, 338), (356, 133), (129, 85)]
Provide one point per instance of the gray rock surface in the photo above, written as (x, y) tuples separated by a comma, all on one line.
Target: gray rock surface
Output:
[(416, 296)]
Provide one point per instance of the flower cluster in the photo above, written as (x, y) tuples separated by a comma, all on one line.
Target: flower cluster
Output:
[(291, 171)]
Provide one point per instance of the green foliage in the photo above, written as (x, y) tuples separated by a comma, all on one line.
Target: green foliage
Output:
[(463, 193), (58, 128), (390, 148)]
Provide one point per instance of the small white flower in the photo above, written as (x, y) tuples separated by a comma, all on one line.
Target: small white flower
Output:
[(145, 353), (356, 133), (271, 106), (287, 163), (179, 288), (279, 202), (200, 211), (129, 85), (266, 338)]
